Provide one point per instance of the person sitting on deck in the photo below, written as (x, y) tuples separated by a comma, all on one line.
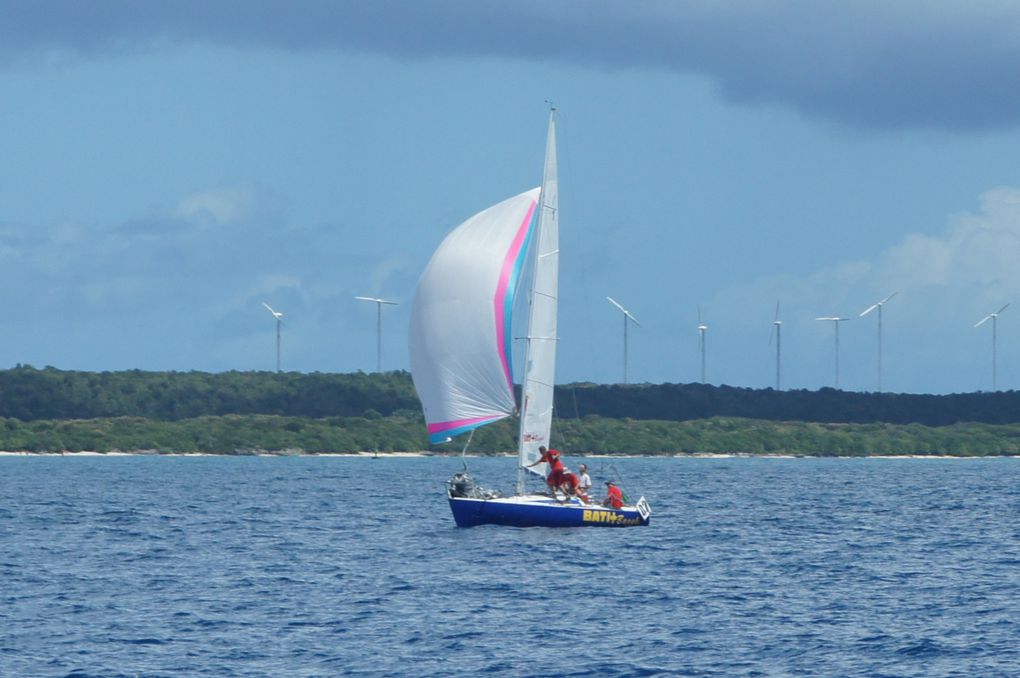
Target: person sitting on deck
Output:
[(551, 457), (614, 496)]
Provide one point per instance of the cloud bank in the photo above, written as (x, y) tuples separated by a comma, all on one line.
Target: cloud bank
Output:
[(974, 261), (945, 282), (183, 288), (945, 64)]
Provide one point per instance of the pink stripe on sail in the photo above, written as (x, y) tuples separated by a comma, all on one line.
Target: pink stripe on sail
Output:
[(447, 425), (505, 275)]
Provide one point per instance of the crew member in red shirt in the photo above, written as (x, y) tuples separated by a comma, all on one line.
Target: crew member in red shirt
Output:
[(570, 484), (551, 457), (614, 497)]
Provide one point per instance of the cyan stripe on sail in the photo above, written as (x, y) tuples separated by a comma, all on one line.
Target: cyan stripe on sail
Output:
[(442, 431), (513, 264)]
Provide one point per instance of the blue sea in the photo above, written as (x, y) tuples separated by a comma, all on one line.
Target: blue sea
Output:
[(305, 566)]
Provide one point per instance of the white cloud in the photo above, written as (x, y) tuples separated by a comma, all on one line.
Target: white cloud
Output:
[(945, 282), (977, 252), (231, 205), (387, 275)]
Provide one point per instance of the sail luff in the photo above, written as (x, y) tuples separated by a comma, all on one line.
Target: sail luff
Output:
[(536, 407)]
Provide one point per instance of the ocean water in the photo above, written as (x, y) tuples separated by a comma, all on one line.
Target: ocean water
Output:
[(300, 566)]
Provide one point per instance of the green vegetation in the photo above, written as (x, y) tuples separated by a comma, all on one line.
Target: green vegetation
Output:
[(28, 394), (247, 434), (228, 434), (52, 410), (681, 402)]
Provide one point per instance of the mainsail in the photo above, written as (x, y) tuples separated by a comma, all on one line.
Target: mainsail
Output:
[(540, 354), (460, 336)]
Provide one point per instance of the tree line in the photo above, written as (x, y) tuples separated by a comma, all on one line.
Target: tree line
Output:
[(588, 436), (30, 394)]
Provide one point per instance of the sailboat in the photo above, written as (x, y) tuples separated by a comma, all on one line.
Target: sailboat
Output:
[(461, 352)]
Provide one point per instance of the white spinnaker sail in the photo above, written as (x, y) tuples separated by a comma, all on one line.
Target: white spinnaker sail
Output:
[(460, 335), (540, 355)]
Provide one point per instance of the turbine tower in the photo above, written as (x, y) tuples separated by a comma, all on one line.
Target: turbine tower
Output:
[(702, 328), (279, 321), (835, 323), (626, 316), (868, 310), (777, 327), (378, 326), (994, 317)]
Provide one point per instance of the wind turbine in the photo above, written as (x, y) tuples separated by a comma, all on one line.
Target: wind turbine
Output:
[(835, 323), (279, 321), (626, 316), (994, 317), (702, 328), (378, 327), (868, 310), (777, 326)]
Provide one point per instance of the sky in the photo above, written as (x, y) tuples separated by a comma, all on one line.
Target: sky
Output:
[(165, 168)]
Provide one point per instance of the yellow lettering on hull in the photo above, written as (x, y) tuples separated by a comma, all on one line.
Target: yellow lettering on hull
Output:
[(608, 517)]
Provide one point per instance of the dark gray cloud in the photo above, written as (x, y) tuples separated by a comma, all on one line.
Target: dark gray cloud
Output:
[(911, 64)]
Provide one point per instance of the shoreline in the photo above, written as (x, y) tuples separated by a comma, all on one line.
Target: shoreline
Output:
[(415, 455)]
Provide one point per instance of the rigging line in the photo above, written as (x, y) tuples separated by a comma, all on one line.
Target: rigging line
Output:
[(562, 429), (548, 254), (561, 426), (463, 453), (559, 430), (541, 383)]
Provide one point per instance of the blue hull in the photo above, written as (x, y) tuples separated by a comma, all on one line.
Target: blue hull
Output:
[(541, 511)]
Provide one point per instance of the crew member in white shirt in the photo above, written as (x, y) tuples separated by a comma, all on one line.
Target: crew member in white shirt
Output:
[(584, 484)]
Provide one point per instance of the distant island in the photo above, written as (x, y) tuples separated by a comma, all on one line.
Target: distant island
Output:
[(50, 410)]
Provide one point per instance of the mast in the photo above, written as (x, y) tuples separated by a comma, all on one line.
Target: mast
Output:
[(539, 377)]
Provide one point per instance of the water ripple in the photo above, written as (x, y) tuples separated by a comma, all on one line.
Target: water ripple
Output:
[(284, 566)]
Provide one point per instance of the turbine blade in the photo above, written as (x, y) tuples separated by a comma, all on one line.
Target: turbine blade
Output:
[(627, 313), (869, 309), (983, 321), (889, 297), (377, 300), (777, 312), (616, 304), (1001, 309)]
